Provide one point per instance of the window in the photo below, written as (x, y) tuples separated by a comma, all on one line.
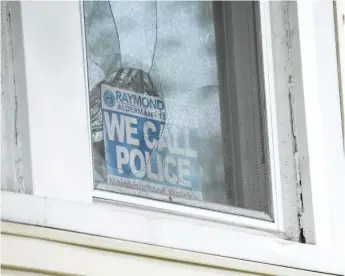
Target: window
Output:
[(292, 59), (177, 103)]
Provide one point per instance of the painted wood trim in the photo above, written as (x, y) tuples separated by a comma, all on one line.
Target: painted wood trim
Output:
[(17, 234), (15, 155)]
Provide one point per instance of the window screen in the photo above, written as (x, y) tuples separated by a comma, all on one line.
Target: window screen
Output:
[(177, 103)]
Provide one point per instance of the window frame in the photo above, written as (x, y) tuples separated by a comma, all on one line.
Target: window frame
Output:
[(63, 191), (340, 25), (246, 217), (208, 210)]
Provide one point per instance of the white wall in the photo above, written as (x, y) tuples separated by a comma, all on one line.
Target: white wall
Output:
[(30, 248)]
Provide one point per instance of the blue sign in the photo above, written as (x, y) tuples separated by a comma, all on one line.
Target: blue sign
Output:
[(144, 153)]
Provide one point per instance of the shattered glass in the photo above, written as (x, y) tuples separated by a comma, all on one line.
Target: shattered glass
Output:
[(165, 49)]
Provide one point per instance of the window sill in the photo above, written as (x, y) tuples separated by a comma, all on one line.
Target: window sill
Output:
[(170, 231)]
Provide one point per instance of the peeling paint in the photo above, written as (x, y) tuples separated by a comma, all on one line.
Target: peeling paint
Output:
[(283, 39), (11, 154), (291, 95), (15, 116)]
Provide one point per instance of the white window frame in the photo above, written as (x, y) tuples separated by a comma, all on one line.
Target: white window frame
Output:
[(255, 219), (63, 187), (340, 19)]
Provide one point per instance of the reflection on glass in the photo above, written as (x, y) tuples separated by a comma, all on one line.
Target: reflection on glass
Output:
[(176, 104)]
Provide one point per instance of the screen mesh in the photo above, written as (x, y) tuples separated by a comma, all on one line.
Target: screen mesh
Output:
[(177, 102)]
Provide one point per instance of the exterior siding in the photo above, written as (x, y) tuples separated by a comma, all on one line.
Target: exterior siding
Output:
[(32, 250)]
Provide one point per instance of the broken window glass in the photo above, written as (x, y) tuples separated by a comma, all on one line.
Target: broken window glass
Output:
[(177, 103)]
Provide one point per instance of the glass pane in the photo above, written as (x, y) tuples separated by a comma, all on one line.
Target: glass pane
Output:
[(177, 103)]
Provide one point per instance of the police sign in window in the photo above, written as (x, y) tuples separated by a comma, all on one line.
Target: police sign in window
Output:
[(177, 104)]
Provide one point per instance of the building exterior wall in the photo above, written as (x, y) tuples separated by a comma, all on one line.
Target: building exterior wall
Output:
[(30, 250)]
